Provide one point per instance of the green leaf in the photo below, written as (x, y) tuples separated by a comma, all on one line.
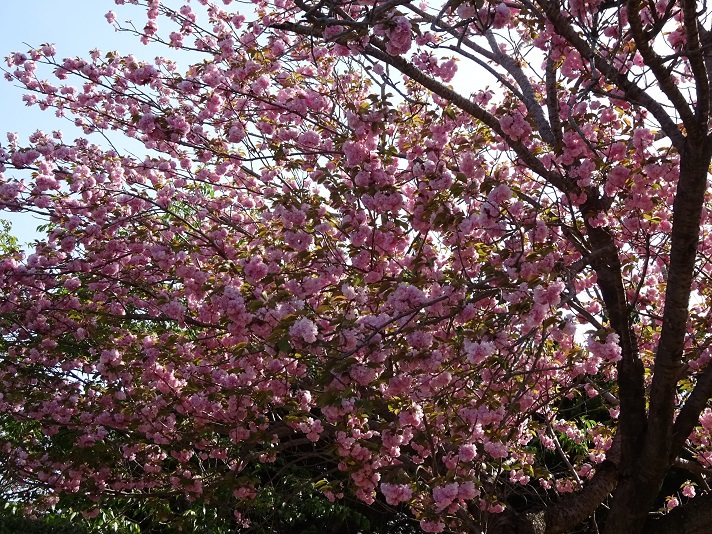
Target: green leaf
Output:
[(284, 345)]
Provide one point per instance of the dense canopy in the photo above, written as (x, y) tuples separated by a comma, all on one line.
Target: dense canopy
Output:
[(443, 259)]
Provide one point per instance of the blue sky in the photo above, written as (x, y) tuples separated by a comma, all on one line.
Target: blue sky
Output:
[(75, 27)]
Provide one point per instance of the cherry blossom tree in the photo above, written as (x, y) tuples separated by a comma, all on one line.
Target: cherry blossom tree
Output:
[(447, 259)]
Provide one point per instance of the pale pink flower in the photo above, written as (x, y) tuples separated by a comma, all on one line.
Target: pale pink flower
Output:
[(309, 139), (550, 295), (496, 450), (688, 490), (515, 126), (499, 195), (304, 329), (400, 37), (467, 452), (501, 16), (255, 270), (412, 416), (260, 85), (706, 420), (467, 491), (445, 495), (396, 493), (447, 70), (478, 351)]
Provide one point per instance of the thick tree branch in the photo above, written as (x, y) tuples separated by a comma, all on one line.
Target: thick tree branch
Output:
[(706, 45), (552, 103), (640, 483), (465, 104), (377, 48), (665, 81), (630, 368), (692, 467), (689, 415), (571, 512), (697, 63), (612, 74), (526, 92), (695, 517), (528, 95), (687, 209)]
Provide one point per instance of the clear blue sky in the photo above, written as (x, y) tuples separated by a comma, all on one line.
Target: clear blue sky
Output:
[(75, 27)]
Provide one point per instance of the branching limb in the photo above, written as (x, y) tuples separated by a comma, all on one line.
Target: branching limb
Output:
[(552, 104), (689, 415), (665, 81), (697, 63), (694, 517), (629, 88)]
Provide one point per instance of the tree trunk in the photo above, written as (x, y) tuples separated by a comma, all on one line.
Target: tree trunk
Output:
[(642, 474)]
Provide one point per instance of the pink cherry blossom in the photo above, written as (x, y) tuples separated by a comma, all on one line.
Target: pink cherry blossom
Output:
[(443, 259), (304, 329)]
